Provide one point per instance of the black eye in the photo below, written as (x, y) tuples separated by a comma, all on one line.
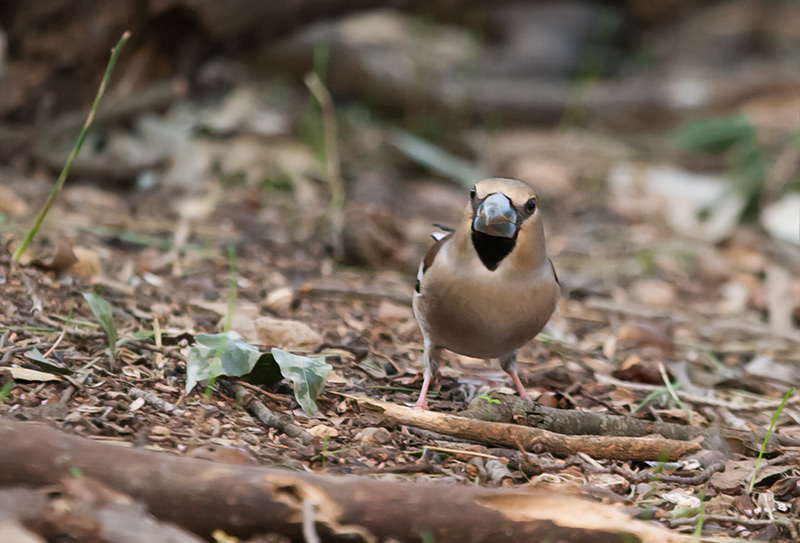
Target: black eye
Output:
[(472, 194), (530, 205)]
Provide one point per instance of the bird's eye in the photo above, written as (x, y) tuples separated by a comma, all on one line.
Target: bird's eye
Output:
[(472, 194), (530, 205)]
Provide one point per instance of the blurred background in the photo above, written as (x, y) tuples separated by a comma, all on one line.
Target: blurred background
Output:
[(693, 101)]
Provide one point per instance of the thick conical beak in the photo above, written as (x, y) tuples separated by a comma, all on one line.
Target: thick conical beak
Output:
[(496, 217)]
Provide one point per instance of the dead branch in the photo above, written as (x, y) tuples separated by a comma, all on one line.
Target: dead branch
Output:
[(507, 408), (534, 439), (269, 419), (204, 496)]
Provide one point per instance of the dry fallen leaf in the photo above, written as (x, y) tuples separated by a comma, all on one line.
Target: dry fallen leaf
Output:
[(87, 265), (321, 431), (391, 313), (654, 292), (286, 333), (57, 259), (11, 204)]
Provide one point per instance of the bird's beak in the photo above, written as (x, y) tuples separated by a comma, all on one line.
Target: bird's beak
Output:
[(496, 217)]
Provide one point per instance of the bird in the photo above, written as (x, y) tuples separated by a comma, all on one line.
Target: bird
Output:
[(488, 287)]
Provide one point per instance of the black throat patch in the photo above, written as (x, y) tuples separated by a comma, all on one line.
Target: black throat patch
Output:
[(492, 249)]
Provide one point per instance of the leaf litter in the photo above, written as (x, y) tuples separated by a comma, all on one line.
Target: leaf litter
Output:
[(670, 327)]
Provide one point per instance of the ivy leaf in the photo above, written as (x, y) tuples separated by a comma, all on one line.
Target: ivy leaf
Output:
[(103, 312), (308, 376), (265, 372), (213, 355), (38, 358)]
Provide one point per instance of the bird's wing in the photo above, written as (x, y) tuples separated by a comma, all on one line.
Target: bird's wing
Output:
[(427, 262)]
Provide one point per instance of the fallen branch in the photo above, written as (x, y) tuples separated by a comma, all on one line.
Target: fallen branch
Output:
[(507, 408), (203, 496), (269, 419), (534, 439)]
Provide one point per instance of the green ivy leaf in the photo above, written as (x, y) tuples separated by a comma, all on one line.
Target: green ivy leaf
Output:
[(213, 355), (308, 376), (103, 312)]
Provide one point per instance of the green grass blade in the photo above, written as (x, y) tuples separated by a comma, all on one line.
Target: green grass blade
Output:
[(766, 438), (75, 149), (232, 281)]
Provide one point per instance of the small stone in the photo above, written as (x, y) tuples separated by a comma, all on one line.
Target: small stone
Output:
[(280, 299), (374, 435)]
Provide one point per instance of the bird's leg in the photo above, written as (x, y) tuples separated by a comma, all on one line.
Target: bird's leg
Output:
[(430, 363), (509, 365)]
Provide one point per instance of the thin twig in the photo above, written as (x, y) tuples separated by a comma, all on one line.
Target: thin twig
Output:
[(268, 418), (154, 401), (274, 397), (53, 348), (461, 451)]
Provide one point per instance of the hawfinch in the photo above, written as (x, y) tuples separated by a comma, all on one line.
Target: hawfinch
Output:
[(488, 287)]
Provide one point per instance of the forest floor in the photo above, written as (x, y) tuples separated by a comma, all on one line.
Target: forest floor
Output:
[(652, 324)]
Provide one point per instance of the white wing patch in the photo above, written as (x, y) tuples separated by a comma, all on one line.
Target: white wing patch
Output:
[(439, 235)]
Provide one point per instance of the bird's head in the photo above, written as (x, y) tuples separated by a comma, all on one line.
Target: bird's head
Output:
[(504, 221), (499, 207)]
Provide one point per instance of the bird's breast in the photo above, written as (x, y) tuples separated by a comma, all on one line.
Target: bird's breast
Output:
[(483, 316)]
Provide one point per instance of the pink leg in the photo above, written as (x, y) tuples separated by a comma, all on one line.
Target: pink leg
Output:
[(422, 401), (430, 371), (520, 388), (509, 365)]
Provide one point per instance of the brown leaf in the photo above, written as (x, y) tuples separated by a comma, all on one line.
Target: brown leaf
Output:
[(87, 265), (286, 333), (654, 292), (734, 476), (11, 204), (391, 313), (57, 259), (639, 371), (642, 334)]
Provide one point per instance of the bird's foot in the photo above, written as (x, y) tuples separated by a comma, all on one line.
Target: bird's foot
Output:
[(422, 405)]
